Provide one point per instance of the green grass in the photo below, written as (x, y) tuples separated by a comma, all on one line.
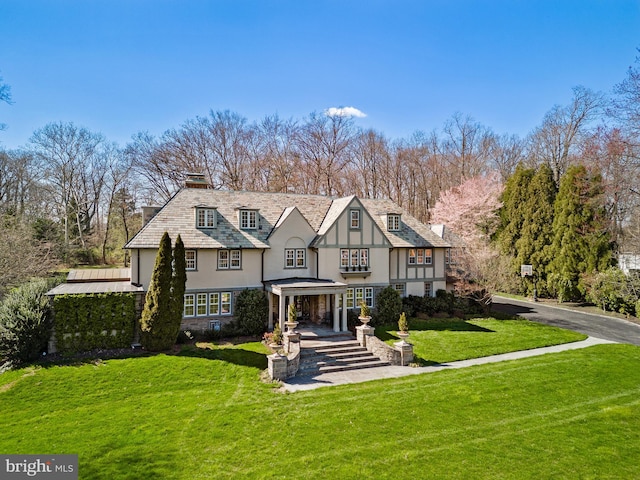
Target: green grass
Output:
[(205, 414), (449, 339)]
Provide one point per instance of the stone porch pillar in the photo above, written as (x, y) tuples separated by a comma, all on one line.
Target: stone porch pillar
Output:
[(336, 313)]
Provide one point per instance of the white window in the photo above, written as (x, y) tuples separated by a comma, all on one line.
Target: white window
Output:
[(399, 288), (359, 296), (428, 289), (248, 219), (354, 219), (393, 222), (295, 257), (301, 257), (223, 259), (201, 306), (355, 296), (189, 310), (420, 256), (289, 257), (190, 257), (214, 303), (229, 259), (350, 298), (354, 257), (235, 259), (225, 303), (368, 296), (450, 256), (344, 257), (206, 217), (428, 256), (364, 257)]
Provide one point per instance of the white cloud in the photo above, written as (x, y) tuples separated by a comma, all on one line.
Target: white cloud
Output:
[(344, 112)]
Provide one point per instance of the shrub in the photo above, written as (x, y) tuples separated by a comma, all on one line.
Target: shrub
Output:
[(252, 311), (389, 306), (612, 290), (403, 325), (88, 321), (25, 322)]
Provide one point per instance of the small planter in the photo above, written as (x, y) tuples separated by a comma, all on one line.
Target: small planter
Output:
[(291, 326), (403, 336), (365, 320), (276, 347)]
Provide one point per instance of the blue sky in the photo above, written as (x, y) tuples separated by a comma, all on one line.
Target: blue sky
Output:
[(123, 66)]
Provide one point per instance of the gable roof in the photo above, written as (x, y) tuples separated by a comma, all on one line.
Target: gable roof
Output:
[(412, 231), (178, 216)]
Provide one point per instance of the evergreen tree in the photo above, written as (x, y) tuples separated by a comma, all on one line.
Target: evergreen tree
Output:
[(252, 312), (536, 231), (580, 240), (512, 213), (155, 322), (388, 306), (178, 284)]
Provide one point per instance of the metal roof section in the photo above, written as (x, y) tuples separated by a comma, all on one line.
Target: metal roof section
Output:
[(99, 275)]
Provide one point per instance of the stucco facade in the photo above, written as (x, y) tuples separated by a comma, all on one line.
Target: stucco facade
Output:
[(323, 254)]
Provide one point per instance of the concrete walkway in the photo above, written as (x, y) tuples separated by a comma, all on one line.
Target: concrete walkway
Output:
[(297, 384)]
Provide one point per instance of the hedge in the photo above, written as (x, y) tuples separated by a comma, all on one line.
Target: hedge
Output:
[(86, 322)]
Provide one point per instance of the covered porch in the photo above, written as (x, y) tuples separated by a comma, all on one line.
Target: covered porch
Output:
[(317, 301)]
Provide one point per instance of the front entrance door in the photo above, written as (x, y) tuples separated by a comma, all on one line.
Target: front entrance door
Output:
[(303, 307)]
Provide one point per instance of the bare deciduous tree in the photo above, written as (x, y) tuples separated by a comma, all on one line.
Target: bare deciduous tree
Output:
[(556, 141), (74, 171)]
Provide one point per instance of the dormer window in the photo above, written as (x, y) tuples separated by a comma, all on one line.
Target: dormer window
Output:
[(393, 222), (248, 219), (205, 217)]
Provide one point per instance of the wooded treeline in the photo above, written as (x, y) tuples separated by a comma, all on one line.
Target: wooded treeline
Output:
[(71, 196)]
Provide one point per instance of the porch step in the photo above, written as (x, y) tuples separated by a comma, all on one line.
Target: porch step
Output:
[(336, 356)]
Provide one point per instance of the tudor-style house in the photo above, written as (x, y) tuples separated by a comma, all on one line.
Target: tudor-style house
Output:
[(324, 254)]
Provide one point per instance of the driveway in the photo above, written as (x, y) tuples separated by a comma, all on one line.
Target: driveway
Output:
[(600, 326)]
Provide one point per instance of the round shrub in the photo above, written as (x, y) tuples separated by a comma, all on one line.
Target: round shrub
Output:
[(25, 323), (388, 306), (252, 312)]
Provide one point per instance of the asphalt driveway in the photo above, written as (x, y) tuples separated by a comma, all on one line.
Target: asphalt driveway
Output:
[(600, 326)]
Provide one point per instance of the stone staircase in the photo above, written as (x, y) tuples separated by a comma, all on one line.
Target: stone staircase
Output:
[(336, 355)]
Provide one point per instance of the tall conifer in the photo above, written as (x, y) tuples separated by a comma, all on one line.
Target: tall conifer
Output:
[(536, 231), (178, 284), (156, 315), (514, 200), (580, 239)]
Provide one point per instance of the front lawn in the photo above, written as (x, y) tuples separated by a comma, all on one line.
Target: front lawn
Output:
[(439, 340), (205, 414)]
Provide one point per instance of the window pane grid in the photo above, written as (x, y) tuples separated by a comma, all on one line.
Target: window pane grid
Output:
[(190, 257), (214, 304), (189, 305)]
